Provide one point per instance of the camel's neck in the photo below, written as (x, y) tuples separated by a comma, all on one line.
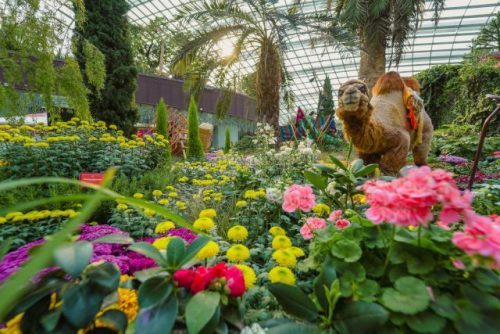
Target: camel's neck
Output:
[(364, 131)]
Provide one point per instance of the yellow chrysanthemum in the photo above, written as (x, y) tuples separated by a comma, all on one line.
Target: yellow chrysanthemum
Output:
[(13, 326), (128, 302), (208, 213), (237, 253), (164, 227), (172, 194), (285, 257), (321, 209), (298, 252), (162, 243), (170, 188), (281, 275), (3, 220), (122, 206), (237, 233), (180, 205), (359, 198), (204, 224), (248, 275), (276, 230), (211, 249), (281, 242), (183, 179), (164, 201), (138, 195), (157, 193), (241, 204), (149, 212)]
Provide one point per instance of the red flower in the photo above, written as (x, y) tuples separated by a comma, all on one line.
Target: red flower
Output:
[(342, 223), (184, 277), (235, 282)]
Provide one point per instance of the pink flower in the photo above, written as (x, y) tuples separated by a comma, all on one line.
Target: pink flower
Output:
[(310, 226), (298, 197), (336, 214), (342, 223), (235, 282), (458, 264)]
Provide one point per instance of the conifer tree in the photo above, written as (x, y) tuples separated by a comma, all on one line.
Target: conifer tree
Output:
[(326, 106), (162, 125), (194, 144), (227, 145), (107, 28)]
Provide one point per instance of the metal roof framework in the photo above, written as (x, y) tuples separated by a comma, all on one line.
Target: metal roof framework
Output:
[(444, 43)]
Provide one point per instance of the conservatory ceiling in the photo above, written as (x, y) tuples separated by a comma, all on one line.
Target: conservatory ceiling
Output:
[(445, 43)]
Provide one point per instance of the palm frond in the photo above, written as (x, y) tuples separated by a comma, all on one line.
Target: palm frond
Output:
[(213, 11)]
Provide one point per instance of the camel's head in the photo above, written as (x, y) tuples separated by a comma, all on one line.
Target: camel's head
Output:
[(352, 93)]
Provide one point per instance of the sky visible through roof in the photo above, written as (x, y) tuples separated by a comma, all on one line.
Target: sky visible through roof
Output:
[(446, 43)]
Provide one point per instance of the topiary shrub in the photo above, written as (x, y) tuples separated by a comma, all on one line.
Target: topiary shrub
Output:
[(227, 144), (194, 145), (162, 124)]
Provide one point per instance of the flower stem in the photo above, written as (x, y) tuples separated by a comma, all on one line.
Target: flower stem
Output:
[(419, 234), (389, 252)]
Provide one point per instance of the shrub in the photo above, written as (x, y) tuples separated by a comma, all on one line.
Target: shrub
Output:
[(162, 124), (227, 145), (194, 145)]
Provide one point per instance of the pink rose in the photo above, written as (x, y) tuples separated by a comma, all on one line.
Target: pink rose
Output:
[(298, 197)]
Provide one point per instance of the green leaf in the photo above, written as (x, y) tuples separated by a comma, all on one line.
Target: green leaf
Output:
[(148, 250), (337, 162), (316, 180), (420, 263), (367, 290), (200, 309), (81, 304), (410, 296), (154, 291), (324, 168), (193, 249), (105, 277), (175, 252), (292, 327), (347, 250), (74, 257), (159, 319), (368, 169), (49, 321), (360, 317), (294, 301), (4, 247), (426, 322), (117, 319), (114, 239), (444, 306), (324, 279), (356, 165)]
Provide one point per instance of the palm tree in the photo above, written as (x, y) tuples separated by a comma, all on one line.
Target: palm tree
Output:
[(258, 28), (382, 25)]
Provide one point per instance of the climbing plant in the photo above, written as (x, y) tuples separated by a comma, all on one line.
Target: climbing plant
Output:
[(30, 38)]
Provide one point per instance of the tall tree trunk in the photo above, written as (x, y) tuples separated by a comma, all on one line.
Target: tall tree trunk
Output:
[(372, 63), (268, 83)]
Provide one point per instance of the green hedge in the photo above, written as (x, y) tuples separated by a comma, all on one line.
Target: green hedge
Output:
[(457, 93)]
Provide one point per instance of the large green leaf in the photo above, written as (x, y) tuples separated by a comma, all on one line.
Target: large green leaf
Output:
[(324, 280), (347, 250), (74, 257), (366, 170), (148, 250), (294, 301), (409, 296), (175, 252), (337, 162), (426, 322), (119, 239), (315, 179), (154, 291), (356, 165), (117, 319), (81, 304), (200, 309), (158, 319), (105, 277), (193, 249), (360, 317)]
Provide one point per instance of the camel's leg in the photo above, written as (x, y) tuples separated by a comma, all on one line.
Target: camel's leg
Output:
[(421, 151), (395, 158), (370, 158)]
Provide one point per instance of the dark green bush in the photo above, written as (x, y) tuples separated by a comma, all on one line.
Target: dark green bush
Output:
[(194, 145)]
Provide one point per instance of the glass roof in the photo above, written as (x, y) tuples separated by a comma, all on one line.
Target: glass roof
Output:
[(445, 43)]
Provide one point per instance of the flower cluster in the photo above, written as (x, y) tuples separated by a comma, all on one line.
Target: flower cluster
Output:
[(222, 278), (452, 159), (37, 215), (298, 197), (315, 223)]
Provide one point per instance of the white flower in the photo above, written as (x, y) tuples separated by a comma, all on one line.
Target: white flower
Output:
[(330, 189), (273, 195)]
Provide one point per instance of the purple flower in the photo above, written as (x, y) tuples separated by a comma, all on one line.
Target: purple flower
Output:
[(184, 233), (453, 159), (12, 261), (120, 261)]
